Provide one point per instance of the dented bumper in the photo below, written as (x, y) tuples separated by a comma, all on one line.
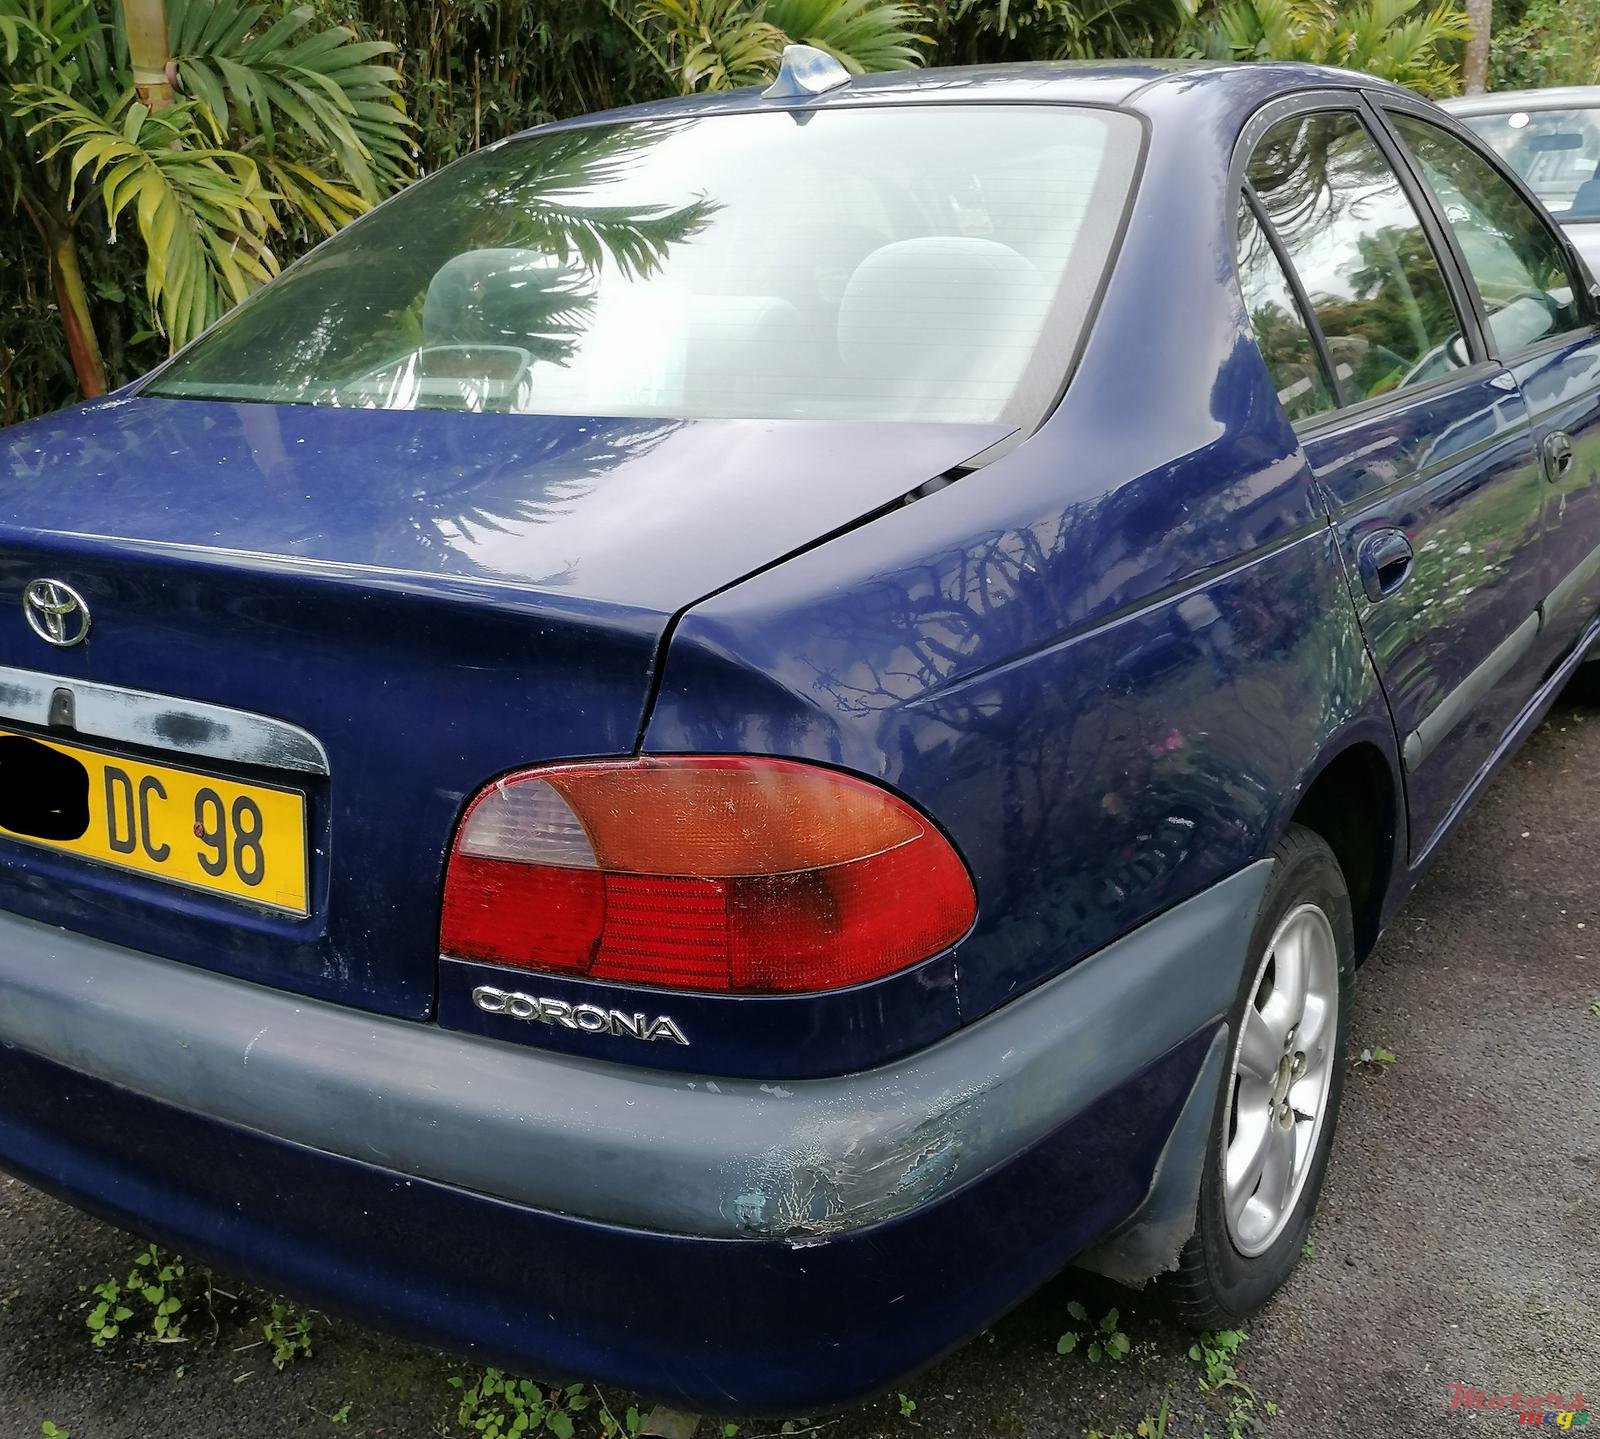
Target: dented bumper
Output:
[(564, 1203)]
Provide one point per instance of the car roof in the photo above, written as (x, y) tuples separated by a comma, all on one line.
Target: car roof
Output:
[(1123, 83), (1556, 97)]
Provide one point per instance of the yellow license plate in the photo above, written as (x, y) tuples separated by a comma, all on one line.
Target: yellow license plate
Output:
[(246, 841)]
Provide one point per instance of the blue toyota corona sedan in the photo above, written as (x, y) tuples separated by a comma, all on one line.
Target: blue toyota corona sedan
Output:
[(718, 739)]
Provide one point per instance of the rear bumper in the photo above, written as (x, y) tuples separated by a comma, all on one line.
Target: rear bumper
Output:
[(729, 1246)]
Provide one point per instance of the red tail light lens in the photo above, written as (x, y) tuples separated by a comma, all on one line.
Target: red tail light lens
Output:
[(733, 874)]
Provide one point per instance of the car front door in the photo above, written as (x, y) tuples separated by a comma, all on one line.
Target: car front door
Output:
[(1540, 323), (1425, 456)]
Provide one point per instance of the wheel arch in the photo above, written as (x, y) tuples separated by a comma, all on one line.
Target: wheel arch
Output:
[(1354, 799)]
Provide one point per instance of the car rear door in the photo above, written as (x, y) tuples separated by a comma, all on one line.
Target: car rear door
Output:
[(1425, 453), (1539, 321)]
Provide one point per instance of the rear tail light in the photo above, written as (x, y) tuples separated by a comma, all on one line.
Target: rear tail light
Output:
[(731, 874)]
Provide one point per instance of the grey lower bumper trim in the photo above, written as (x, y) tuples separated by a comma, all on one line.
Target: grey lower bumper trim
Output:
[(643, 1148)]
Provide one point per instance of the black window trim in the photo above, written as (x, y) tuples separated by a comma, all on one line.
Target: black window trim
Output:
[(1463, 297), (1577, 274), (1441, 237), (1302, 302)]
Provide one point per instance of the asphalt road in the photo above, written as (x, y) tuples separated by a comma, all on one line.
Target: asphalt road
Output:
[(1458, 1240)]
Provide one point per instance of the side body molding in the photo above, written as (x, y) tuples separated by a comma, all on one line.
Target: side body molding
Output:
[(1456, 705)]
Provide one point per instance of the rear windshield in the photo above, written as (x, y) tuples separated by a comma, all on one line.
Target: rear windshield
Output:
[(915, 262), (1556, 151)]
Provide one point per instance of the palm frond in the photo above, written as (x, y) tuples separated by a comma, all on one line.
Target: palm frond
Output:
[(325, 204), (16, 24), (203, 212), (1396, 39), (634, 240), (862, 35), (255, 70), (715, 44)]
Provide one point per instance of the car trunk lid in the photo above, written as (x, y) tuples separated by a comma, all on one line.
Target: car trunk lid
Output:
[(433, 598)]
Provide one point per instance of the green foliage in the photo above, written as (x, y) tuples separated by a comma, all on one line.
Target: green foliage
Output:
[(203, 212), (498, 1406), (908, 1405), (157, 1297), (1147, 1428), (106, 1319), (288, 1331), (611, 1427), (1557, 42), (284, 127), (1107, 1344), (723, 44), (51, 1430), (973, 32), (712, 44), (1376, 1057), (1407, 41), (256, 71), (863, 35), (475, 71), (1214, 1354)]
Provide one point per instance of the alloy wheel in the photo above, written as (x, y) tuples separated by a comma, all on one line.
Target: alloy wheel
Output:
[(1283, 1065)]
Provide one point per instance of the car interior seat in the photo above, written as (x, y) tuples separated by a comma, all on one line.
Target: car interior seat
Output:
[(942, 325), (1587, 201)]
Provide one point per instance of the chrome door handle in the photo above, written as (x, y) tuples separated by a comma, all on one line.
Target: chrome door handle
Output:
[(1558, 455), (1383, 560)]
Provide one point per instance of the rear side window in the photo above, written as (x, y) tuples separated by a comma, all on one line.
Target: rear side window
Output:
[(1515, 260), (1361, 254), (1280, 329), (915, 262)]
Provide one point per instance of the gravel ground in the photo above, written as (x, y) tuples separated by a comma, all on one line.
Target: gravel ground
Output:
[(1458, 1240)]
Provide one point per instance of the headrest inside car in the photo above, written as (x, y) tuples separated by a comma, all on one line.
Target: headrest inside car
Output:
[(499, 297), (942, 307)]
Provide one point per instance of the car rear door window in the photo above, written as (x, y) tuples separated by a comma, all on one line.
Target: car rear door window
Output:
[(1359, 248), (1516, 261), (1280, 327)]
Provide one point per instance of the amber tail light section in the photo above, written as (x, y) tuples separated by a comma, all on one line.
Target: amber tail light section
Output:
[(732, 874)]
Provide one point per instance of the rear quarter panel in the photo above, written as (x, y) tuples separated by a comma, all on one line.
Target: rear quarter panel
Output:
[(1108, 663)]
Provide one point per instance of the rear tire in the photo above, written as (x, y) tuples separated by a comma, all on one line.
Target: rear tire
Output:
[(1279, 1101)]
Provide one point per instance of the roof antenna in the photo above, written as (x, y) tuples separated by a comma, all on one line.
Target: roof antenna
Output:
[(805, 71)]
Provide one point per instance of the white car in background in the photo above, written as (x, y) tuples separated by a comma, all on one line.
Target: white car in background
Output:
[(1552, 139)]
